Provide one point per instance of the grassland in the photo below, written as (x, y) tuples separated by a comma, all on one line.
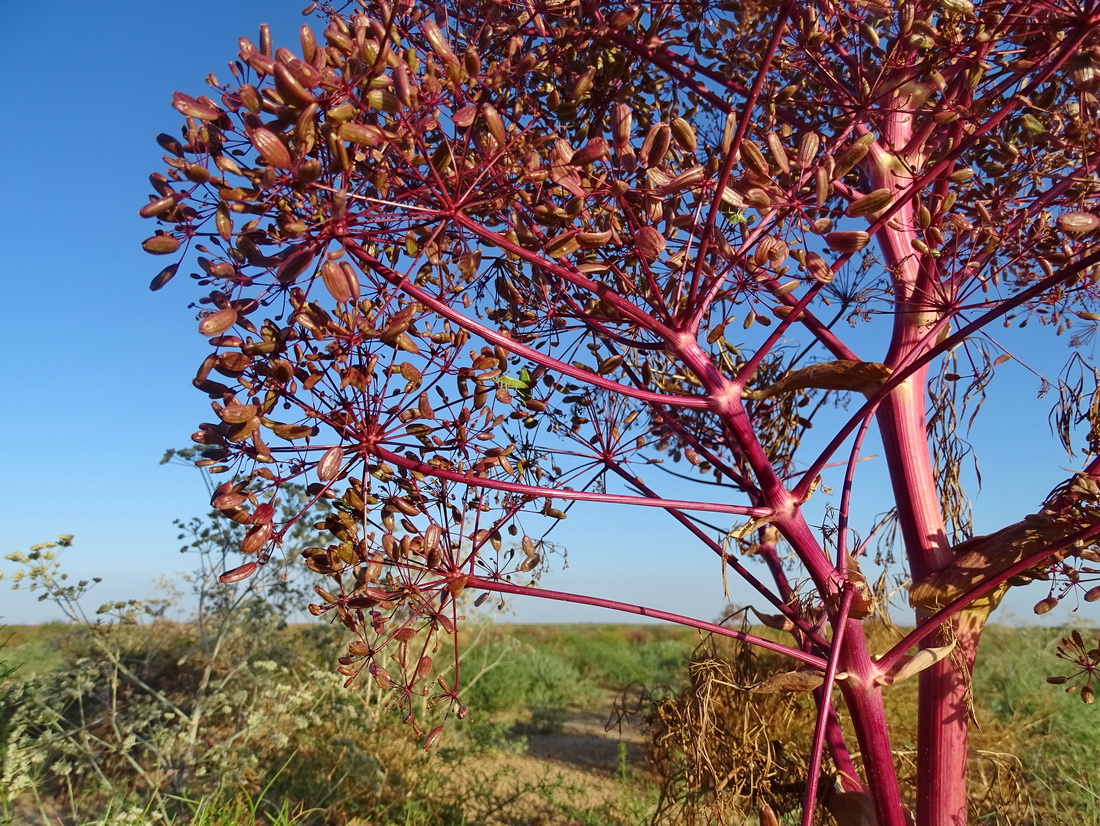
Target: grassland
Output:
[(166, 730)]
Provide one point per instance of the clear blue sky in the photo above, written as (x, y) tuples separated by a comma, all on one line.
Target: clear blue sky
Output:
[(98, 369)]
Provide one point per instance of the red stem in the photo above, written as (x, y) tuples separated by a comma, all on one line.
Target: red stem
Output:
[(560, 493), (499, 585), (825, 706)]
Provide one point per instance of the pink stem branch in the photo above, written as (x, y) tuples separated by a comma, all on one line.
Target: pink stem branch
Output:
[(534, 491), (824, 707), (489, 584), (444, 310)]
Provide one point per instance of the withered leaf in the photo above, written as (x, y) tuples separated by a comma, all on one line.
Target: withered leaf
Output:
[(790, 681), (914, 664)]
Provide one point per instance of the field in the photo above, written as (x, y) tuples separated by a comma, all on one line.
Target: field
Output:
[(567, 725)]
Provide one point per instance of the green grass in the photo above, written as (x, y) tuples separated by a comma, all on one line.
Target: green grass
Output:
[(34, 649), (1053, 733), (294, 747)]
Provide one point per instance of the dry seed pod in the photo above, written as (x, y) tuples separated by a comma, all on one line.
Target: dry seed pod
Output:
[(155, 208), (596, 149), (289, 86), (563, 245), (238, 413), (758, 198), (294, 265), (194, 108), (851, 156), (685, 180), (823, 187), (384, 100), (807, 149), (583, 84), (728, 131), (438, 42), (256, 538), (684, 135), (733, 198), (847, 242), (609, 365), (432, 536), (163, 277), (160, 245), (237, 574), (1078, 223), (271, 148), (818, 269), (656, 144), (1045, 605), (363, 134), (649, 242), (433, 738), (870, 203), (329, 465), (778, 152), (753, 158), (622, 121), (593, 240), (494, 124), (218, 322), (1084, 73)]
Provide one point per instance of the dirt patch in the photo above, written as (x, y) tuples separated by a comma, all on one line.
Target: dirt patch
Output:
[(562, 778), (587, 742)]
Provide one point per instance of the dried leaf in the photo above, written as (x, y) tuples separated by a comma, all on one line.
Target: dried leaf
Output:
[(790, 681), (914, 664)]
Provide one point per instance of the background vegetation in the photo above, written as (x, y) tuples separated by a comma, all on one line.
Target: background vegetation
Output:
[(121, 723)]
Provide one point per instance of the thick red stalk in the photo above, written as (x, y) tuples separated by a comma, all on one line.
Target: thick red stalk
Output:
[(863, 697)]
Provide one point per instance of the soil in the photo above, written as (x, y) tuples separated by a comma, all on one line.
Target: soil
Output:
[(578, 768)]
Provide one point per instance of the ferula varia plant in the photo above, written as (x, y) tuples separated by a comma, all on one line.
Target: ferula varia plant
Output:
[(466, 265)]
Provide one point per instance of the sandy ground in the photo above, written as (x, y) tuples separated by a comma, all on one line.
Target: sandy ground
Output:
[(580, 767)]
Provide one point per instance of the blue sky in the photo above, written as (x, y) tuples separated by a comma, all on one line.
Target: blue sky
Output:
[(98, 369)]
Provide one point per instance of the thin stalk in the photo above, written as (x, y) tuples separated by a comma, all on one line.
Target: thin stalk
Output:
[(488, 584), (809, 802), (535, 491)]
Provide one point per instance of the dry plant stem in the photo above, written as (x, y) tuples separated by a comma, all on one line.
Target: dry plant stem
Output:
[(503, 587)]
